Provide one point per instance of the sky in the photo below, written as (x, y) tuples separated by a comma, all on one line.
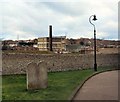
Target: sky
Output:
[(30, 19)]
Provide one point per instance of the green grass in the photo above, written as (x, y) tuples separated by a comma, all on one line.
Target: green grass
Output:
[(60, 86), (27, 51)]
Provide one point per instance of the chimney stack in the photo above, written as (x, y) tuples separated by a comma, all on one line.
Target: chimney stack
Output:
[(50, 37)]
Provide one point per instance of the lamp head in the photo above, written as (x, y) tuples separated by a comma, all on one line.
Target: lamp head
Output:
[(94, 18)]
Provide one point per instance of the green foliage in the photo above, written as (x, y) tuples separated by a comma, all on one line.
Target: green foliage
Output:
[(26, 43)]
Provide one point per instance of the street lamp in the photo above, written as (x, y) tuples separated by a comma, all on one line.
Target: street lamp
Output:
[(94, 19)]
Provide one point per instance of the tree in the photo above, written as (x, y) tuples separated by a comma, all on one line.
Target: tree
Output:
[(82, 43)]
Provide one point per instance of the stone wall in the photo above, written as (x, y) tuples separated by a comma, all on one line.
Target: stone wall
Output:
[(17, 63)]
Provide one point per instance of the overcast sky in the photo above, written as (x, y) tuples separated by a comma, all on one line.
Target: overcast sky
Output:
[(29, 19)]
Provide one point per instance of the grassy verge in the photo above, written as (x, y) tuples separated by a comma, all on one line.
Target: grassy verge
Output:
[(60, 86), (27, 51)]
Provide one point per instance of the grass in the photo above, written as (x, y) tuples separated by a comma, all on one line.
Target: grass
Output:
[(60, 86), (27, 52)]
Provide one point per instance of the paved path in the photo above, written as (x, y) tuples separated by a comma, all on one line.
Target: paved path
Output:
[(103, 86)]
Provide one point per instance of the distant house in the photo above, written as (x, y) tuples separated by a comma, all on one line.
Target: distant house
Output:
[(19, 45), (58, 43), (27, 45), (73, 48), (9, 44)]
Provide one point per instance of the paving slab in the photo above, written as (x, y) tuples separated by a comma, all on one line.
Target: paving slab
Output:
[(103, 86)]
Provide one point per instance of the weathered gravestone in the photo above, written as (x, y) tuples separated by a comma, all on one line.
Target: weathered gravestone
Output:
[(37, 76)]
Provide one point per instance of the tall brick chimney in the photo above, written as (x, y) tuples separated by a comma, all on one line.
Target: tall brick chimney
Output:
[(50, 37)]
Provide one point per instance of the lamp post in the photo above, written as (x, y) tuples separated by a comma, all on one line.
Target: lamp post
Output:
[(94, 19)]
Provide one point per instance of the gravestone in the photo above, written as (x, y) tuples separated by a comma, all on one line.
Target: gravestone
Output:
[(36, 76), (43, 79)]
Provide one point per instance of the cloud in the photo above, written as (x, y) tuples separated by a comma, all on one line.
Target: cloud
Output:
[(70, 9), (31, 19)]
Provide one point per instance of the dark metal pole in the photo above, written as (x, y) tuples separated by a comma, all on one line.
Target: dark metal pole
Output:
[(50, 38), (95, 63)]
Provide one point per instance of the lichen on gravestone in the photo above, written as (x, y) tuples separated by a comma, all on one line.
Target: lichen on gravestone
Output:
[(37, 76)]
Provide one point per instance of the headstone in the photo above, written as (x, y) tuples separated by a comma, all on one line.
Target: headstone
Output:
[(43, 78), (36, 76)]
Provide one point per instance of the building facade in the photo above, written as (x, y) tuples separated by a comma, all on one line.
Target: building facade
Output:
[(58, 43)]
